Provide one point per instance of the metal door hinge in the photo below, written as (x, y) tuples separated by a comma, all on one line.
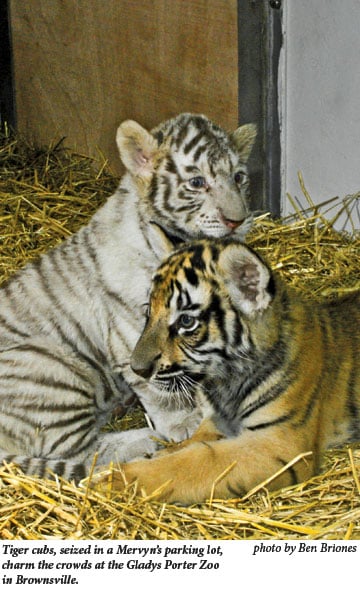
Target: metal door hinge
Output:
[(275, 4)]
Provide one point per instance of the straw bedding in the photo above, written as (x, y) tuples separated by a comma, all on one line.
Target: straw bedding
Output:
[(45, 194)]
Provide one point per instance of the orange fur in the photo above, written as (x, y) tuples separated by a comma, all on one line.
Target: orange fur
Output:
[(303, 400), (223, 468)]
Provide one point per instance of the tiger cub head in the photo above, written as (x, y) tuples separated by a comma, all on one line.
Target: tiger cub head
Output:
[(207, 309), (190, 175)]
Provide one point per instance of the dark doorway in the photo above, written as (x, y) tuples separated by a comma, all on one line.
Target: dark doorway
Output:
[(260, 41), (7, 102)]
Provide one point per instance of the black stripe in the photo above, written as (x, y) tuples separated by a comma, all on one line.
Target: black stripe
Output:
[(285, 417), (12, 295), (193, 142), (56, 305), (81, 335), (189, 207), (35, 404), (59, 467), (49, 383), (199, 151), (159, 136), (83, 415), (179, 302), (176, 241), (144, 228), (43, 352), (119, 300), (25, 463), (183, 132), (9, 458), (274, 360), (12, 329), (187, 304), (237, 330), (41, 466), (171, 292), (78, 472), (114, 353), (236, 492), (171, 167), (197, 260), (183, 126), (78, 445), (190, 352), (290, 470), (353, 403), (191, 169), (27, 419), (219, 314), (269, 396), (191, 276), (86, 247), (99, 362), (11, 433), (327, 367), (166, 183), (153, 189), (215, 311), (214, 253), (212, 161)]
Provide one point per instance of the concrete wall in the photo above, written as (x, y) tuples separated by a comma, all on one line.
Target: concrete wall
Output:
[(320, 100)]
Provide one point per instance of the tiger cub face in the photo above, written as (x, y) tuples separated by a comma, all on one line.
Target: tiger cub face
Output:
[(202, 300), (190, 175)]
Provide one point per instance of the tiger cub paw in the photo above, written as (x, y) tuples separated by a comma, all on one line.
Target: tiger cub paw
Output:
[(106, 480), (199, 436)]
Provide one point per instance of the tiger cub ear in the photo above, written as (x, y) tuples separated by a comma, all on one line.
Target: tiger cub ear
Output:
[(137, 148), (246, 277), (244, 139)]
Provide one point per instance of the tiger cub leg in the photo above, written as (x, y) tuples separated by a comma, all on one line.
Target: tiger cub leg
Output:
[(52, 406), (47, 403), (224, 468), (122, 446)]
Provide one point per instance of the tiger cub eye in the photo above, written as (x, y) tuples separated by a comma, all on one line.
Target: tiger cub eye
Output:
[(197, 182), (186, 321), (240, 177)]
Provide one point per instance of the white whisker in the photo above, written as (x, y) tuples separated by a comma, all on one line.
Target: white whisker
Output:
[(176, 390)]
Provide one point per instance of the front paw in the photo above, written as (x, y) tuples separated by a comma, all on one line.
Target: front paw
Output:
[(107, 480), (207, 432), (124, 446), (183, 428), (130, 476)]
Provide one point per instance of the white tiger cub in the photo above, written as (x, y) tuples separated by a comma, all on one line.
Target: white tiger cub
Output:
[(70, 320)]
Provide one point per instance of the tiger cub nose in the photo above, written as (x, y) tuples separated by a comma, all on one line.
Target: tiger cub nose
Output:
[(141, 366), (229, 223), (144, 371)]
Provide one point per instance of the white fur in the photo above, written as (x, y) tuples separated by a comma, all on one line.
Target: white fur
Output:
[(70, 321)]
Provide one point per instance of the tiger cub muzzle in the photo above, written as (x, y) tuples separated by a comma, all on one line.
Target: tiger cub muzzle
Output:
[(153, 359), (148, 363)]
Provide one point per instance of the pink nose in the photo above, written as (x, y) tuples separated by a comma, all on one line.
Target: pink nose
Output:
[(231, 224)]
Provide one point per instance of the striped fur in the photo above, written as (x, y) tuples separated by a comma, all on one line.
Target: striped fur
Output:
[(281, 373), (70, 320)]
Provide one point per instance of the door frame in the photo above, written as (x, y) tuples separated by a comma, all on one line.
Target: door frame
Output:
[(7, 95), (260, 41)]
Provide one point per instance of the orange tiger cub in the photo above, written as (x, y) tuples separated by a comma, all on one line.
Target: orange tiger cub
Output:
[(280, 373)]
